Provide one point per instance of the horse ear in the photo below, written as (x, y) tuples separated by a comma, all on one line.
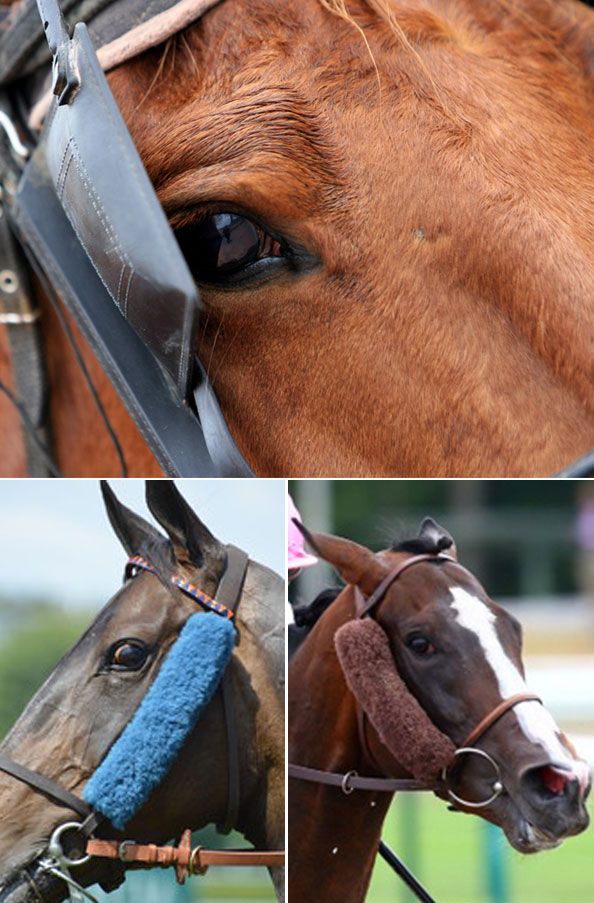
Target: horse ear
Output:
[(135, 534), (441, 539), (193, 543), (356, 564)]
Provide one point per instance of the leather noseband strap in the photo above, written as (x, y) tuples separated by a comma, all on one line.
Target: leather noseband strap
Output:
[(490, 719), (45, 786)]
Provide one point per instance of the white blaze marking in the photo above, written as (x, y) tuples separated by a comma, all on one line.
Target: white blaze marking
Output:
[(536, 722)]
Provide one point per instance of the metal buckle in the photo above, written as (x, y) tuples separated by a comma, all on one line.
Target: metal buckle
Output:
[(122, 849), (497, 783), (344, 786)]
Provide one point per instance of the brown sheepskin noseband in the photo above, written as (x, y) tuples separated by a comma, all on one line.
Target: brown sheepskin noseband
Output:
[(402, 724)]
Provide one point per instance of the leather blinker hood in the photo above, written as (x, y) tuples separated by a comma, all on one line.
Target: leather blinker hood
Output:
[(402, 724), (89, 219)]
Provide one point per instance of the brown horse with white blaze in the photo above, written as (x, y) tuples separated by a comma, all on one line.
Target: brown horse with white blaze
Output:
[(456, 657), (73, 722), (404, 192)]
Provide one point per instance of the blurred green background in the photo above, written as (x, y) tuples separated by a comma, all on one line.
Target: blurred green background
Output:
[(531, 543)]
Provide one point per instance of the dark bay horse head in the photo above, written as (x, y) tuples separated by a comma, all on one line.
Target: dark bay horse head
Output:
[(430, 282), (459, 655), (87, 702)]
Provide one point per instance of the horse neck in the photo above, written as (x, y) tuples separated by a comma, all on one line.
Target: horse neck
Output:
[(333, 837), (258, 676)]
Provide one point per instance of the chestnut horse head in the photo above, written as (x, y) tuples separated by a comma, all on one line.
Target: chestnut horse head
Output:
[(387, 208), (397, 681), (73, 724)]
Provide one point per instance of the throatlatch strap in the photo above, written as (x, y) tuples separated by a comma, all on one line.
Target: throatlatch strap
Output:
[(186, 587)]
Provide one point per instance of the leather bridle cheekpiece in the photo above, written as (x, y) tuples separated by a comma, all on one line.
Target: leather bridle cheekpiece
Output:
[(352, 781), (187, 861)]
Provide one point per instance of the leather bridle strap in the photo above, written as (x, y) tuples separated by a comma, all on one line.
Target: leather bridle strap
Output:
[(496, 714), (351, 781), (45, 786), (365, 606), (228, 594)]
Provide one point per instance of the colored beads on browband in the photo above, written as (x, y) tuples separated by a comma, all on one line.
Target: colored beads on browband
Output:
[(188, 588)]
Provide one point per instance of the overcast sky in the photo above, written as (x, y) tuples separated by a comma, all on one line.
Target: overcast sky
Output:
[(56, 541)]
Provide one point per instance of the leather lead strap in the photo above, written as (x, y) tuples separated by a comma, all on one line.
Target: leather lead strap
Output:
[(199, 859), (229, 594), (45, 786)]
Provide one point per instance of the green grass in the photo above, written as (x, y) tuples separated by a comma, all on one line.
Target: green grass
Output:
[(448, 853)]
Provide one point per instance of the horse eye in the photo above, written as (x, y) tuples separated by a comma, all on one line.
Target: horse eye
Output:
[(420, 645), (127, 655), (224, 244)]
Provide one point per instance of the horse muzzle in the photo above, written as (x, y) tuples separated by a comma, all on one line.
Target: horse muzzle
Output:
[(546, 805)]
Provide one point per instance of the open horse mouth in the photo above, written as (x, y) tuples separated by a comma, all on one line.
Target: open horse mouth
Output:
[(549, 807)]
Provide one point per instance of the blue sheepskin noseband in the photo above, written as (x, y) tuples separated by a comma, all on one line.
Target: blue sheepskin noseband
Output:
[(143, 754)]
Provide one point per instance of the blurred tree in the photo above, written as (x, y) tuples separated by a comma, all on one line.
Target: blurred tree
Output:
[(30, 651)]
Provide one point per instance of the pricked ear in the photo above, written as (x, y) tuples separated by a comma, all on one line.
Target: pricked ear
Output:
[(137, 536), (193, 542), (356, 564), (440, 537)]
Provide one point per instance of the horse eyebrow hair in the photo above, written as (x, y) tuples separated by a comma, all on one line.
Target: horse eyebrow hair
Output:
[(262, 122)]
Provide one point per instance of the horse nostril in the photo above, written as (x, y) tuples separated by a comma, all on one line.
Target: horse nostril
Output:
[(553, 780), (547, 783)]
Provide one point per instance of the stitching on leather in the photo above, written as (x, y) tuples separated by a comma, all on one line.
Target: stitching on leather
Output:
[(120, 280), (130, 277), (61, 174), (102, 216)]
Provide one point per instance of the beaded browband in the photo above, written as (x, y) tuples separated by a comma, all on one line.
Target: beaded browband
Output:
[(186, 587)]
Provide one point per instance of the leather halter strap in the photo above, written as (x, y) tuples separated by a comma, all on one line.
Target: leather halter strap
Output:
[(350, 780), (499, 710), (365, 606), (137, 40), (45, 786)]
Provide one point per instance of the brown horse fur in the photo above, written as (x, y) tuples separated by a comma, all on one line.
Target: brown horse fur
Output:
[(400, 721), (431, 168)]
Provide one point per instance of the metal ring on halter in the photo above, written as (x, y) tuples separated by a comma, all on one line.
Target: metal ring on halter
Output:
[(497, 783), (56, 849), (345, 782)]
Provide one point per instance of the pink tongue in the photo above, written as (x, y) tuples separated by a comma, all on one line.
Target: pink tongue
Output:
[(553, 780)]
